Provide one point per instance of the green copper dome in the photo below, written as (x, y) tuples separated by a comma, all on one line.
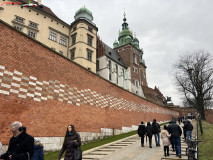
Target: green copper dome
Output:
[(84, 13), (115, 44)]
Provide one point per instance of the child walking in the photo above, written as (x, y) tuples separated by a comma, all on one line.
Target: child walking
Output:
[(166, 142)]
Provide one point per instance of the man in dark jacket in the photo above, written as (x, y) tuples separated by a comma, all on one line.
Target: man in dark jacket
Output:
[(149, 133), (21, 145), (156, 132), (188, 127), (142, 132), (175, 131)]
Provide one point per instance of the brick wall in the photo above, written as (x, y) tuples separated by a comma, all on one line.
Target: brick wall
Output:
[(47, 92)]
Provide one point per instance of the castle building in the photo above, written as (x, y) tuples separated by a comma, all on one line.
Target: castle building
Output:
[(76, 41), (122, 65)]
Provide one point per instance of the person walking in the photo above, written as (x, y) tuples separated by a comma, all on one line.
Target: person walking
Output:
[(166, 141), (38, 150), (72, 141), (184, 130), (21, 144), (149, 133), (175, 131), (2, 151), (142, 132), (156, 132), (188, 127)]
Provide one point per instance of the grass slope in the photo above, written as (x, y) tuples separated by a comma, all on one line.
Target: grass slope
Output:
[(205, 149)]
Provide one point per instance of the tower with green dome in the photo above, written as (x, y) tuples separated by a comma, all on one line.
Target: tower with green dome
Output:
[(83, 39), (128, 48)]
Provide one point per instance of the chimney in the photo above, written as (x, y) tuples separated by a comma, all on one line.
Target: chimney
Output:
[(39, 2)]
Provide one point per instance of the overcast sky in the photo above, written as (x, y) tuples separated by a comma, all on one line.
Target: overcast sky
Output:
[(165, 29)]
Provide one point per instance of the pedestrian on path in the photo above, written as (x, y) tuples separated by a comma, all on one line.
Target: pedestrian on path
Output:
[(72, 141), (2, 151), (166, 141), (20, 145), (184, 130), (142, 132), (188, 127), (38, 150), (149, 133), (156, 132), (175, 131)]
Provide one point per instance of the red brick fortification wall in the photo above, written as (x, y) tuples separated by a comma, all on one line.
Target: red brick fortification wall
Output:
[(46, 92)]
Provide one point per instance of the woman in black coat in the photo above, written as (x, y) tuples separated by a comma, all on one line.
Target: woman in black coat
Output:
[(72, 141), (142, 132), (149, 133)]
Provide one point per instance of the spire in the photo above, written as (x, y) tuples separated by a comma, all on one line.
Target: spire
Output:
[(125, 24), (124, 16)]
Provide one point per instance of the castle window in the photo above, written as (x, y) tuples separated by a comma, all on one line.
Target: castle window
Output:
[(53, 36), (73, 39), (63, 40), (32, 33), (61, 52), (123, 73), (18, 27), (19, 19), (90, 29), (134, 58), (110, 70), (89, 55), (116, 67), (74, 28), (32, 24), (97, 65), (72, 54), (89, 40)]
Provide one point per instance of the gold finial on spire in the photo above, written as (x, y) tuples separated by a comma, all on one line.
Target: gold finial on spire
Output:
[(124, 13)]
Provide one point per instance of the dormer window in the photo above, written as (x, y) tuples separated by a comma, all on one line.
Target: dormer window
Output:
[(110, 53)]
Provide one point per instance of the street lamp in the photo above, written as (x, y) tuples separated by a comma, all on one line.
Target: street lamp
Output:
[(190, 70)]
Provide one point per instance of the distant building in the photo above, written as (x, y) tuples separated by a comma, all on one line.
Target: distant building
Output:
[(154, 95)]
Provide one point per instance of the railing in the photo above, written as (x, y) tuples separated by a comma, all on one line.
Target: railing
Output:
[(192, 150)]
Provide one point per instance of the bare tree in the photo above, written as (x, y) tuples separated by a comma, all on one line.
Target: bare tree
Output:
[(193, 74)]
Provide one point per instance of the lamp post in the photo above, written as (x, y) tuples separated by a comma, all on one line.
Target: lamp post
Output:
[(190, 70)]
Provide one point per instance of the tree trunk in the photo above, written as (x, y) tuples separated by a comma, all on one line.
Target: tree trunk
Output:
[(201, 109)]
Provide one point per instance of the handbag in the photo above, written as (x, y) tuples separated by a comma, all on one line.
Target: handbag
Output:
[(77, 155)]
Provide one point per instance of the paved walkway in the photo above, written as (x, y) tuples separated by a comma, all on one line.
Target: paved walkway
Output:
[(130, 149)]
